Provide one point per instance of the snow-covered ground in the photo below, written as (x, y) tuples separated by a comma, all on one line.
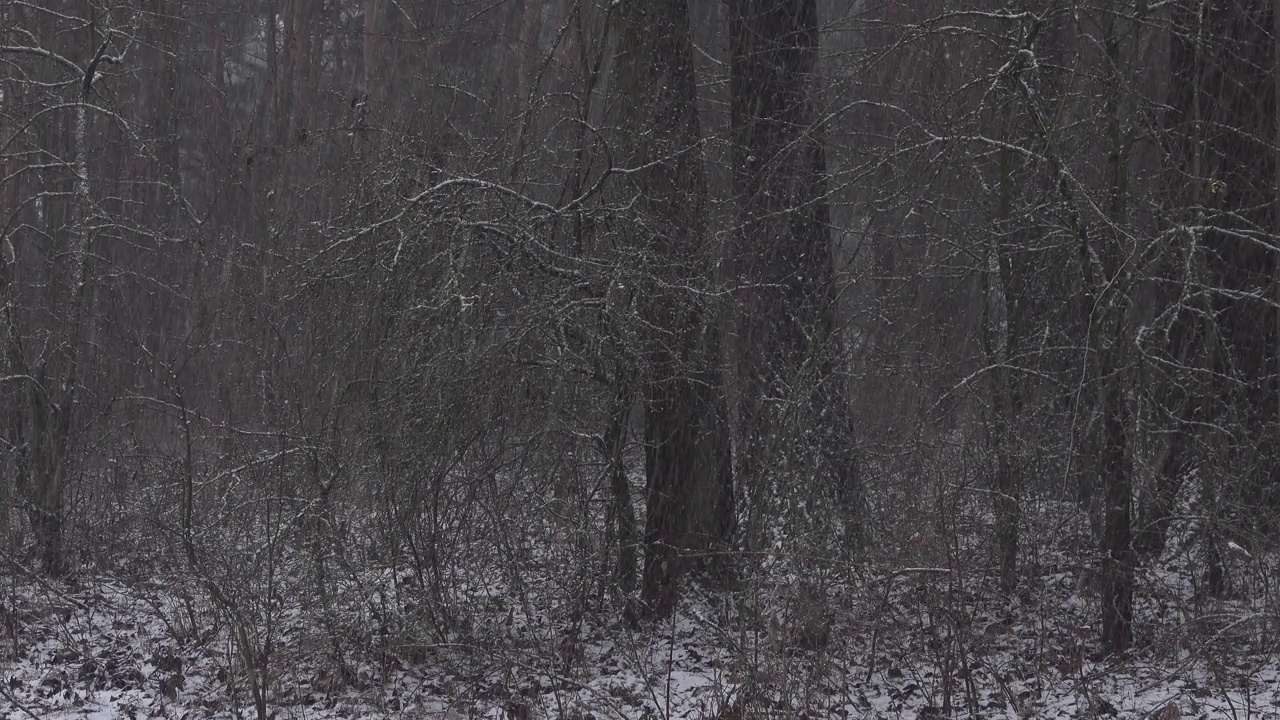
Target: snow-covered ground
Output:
[(810, 638)]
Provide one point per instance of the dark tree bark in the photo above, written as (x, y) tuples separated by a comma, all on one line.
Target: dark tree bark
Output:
[(783, 250), (1110, 346), (682, 392), (622, 513), (1119, 561), (1222, 98), (1009, 314), (370, 87), (1274, 478)]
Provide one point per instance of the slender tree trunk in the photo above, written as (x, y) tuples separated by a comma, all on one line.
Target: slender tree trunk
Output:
[(282, 61), (51, 416), (1118, 557), (300, 42), (623, 512), (1001, 341), (369, 85), (1274, 480), (526, 49), (1110, 343), (188, 476)]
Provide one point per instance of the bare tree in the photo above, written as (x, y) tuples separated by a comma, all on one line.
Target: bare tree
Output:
[(686, 449), (787, 334)]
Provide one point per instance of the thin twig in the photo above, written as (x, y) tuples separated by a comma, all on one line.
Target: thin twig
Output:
[(9, 696)]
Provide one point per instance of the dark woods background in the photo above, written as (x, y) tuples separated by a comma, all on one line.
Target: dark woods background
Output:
[(605, 300)]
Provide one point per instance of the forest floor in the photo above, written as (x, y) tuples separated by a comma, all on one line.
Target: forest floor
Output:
[(811, 638)]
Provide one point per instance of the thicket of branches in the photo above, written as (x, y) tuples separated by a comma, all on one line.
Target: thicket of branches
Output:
[(611, 297)]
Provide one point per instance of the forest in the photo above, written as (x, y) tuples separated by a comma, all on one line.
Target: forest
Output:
[(586, 359)]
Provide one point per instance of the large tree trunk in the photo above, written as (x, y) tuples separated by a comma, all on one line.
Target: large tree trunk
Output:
[(783, 254), (656, 94)]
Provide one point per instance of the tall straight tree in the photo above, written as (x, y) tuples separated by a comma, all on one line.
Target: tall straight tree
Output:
[(686, 460), (787, 336), (1109, 343)]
